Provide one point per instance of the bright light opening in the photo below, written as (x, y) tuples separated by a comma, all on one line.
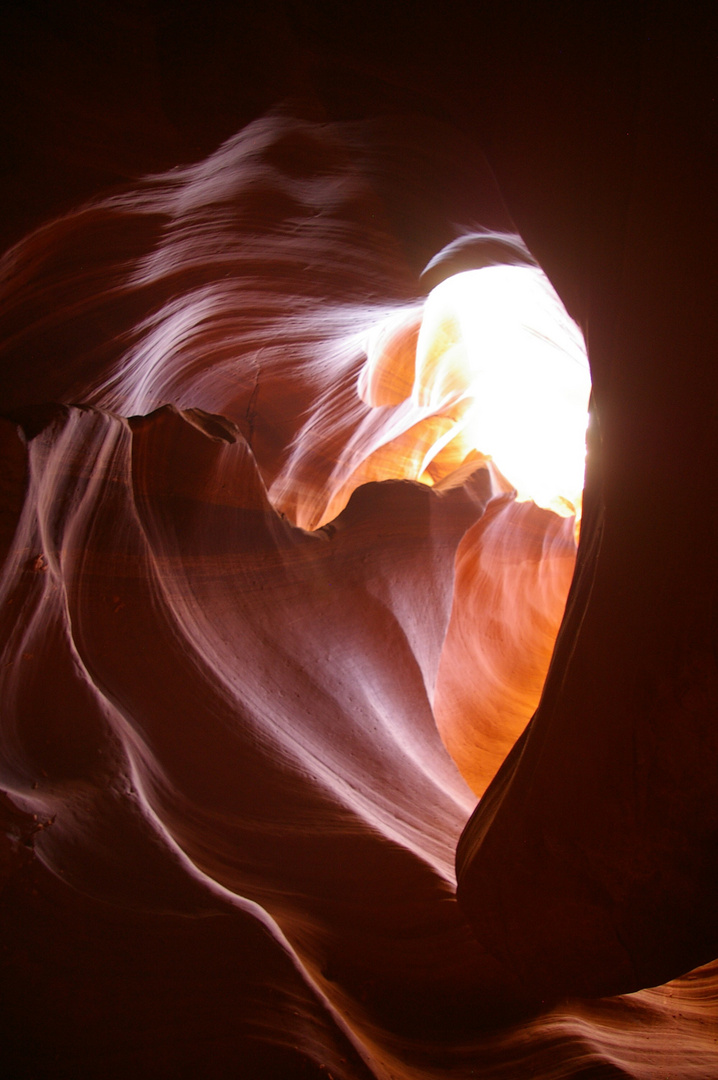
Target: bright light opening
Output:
[(498, 351)]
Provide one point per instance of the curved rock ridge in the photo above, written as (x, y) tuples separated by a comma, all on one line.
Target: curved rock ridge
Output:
[(213, 716), (246, 285), (187, 672), (231, 817)]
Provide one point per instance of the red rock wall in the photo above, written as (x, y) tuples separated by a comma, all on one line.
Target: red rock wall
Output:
[(230, 818)]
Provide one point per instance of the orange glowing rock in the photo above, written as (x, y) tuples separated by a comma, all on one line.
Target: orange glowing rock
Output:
[(513, 571)]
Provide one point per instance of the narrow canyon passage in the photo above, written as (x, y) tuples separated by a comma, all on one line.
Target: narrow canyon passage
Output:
[(280, 593)]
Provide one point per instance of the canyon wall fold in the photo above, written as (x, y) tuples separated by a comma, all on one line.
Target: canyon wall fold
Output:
[(255, 675)]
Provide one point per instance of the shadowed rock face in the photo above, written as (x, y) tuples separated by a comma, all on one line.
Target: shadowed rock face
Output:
[(604, 812), (254, 674)]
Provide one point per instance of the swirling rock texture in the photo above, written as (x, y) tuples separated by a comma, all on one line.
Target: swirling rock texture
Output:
[(255, 674)]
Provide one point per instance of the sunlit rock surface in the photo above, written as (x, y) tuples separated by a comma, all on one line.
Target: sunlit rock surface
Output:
[(254, 675), (513, 570)]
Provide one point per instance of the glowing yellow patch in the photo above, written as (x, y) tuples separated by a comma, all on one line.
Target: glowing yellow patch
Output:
[(498, 346)]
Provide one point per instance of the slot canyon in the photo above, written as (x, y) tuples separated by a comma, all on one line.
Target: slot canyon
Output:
[(358, 412)]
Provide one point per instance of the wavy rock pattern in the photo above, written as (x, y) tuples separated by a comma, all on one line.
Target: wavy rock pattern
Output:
[(231, 817)]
